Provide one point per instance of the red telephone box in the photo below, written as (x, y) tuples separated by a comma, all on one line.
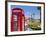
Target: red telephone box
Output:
[(17, 20)]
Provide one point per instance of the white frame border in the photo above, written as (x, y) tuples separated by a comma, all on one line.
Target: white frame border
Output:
[(24, 4)]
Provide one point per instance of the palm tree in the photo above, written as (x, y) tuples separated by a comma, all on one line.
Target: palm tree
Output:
[(39, 8)]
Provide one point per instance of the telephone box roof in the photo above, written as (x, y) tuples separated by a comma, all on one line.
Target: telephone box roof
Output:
[(22, 11), (17, 9)]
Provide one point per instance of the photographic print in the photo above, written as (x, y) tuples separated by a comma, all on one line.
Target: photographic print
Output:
[(25, 18)]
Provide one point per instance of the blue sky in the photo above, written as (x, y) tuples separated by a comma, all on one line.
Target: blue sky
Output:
[(29, 10)]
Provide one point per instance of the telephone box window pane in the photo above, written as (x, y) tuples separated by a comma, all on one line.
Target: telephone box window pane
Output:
[(15, 17), (15, 25)]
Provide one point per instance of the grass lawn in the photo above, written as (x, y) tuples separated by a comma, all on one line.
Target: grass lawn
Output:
[(34, 25)]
